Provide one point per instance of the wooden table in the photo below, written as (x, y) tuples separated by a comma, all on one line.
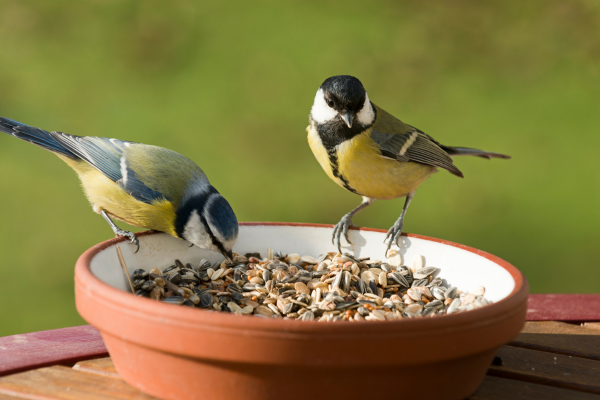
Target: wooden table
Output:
[(549, 360)]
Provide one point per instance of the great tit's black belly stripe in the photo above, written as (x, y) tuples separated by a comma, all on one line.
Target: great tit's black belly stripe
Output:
[(333, 162), (332, 134)]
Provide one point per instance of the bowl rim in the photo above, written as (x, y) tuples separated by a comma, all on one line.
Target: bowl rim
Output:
[(123, 302)]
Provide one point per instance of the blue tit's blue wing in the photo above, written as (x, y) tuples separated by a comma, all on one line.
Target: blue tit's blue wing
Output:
[(109, 157)]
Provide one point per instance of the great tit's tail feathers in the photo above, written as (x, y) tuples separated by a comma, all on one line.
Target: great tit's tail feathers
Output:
[(37, 136), (466, 151)]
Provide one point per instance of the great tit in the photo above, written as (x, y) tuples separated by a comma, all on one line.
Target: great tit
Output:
[(371, 153), (142, 185)]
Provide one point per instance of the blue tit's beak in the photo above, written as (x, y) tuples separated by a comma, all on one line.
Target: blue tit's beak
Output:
[(228, 255), (347, 118)]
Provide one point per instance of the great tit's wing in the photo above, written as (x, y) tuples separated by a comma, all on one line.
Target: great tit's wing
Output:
[(109, 156), (402, 142)]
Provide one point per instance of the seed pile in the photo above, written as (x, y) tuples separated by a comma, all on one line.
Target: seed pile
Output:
[(332, 287)]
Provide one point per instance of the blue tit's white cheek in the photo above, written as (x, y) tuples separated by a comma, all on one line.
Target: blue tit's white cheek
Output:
[(195, 233), (321, 112), (366, 115)]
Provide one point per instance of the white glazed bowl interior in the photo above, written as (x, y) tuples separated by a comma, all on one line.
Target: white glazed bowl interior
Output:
[(458, 267)]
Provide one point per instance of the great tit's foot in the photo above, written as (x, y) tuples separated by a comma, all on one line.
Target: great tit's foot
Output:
[(394, 235), (341, 228), (129, 235)]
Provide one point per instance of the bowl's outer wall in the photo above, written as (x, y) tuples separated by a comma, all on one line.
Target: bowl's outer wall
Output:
[(140, 333), (155, 372)]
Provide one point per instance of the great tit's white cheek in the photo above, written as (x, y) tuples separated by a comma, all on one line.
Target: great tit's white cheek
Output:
[(195, 233), (366, 115), (321, 112)]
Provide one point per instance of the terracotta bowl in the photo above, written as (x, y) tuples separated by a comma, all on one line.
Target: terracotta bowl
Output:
[(175, 352)]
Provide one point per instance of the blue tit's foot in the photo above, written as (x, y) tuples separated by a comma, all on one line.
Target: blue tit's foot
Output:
[(129, 235), (394, 234), (341, 228)]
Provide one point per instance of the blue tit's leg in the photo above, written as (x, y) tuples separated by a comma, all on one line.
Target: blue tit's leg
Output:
[(346, 222), (396, 230), (120, 232)]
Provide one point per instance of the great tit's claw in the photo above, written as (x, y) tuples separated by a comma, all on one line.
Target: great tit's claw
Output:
[(341, 228), (394, 235), (131, 236)]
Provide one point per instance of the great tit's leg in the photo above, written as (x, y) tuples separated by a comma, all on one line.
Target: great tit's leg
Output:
[(119, 232), (346, 222), (396, 229)]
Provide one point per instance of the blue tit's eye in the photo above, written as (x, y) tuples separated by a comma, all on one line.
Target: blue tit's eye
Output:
[(329, 102)]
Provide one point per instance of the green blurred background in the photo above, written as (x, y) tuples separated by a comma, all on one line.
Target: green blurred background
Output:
[(230, 85)]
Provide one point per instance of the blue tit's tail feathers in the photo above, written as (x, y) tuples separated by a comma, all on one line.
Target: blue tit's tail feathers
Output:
[(466, 151), (37, 136)]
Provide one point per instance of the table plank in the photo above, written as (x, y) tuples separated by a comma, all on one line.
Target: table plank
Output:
[(7, 397), (591, 325), (548, 369), (495, 388), (558, 328), (64, 383), (560, 338), (563, 307), (58, 346), (101, 366)]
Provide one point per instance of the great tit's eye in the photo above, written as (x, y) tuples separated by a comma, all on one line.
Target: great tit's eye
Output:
[(329, 102)]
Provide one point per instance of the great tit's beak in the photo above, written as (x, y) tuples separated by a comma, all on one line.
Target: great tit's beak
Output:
[(348, 117)]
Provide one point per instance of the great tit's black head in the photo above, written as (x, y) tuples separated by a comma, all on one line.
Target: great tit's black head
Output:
[(342, 98), (206, 219), (344, 93)]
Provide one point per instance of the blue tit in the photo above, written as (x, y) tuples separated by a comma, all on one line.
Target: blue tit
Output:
[(142, 185), (371, 153)]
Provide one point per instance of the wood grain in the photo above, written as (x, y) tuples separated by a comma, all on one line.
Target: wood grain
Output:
[(101, 366), (58, 346), (64, 383), (548, 369), (559, 328), (591, 325), (495, 388), (560, 338), (7, 397)]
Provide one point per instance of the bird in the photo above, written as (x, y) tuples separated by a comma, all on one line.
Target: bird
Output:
[(371, 153), (143, 185)]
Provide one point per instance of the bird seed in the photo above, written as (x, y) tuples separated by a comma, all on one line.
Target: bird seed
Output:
[(329, 288)]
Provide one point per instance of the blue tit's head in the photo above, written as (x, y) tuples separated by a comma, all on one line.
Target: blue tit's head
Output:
[(343, 100), (206, 219)]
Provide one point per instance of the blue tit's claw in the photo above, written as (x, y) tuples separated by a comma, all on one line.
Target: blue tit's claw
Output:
[(341, 228), (131, 236)]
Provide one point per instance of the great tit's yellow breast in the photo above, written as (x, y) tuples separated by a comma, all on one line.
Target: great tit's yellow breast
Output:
[(372, 175), (104, 194), (320, 152)]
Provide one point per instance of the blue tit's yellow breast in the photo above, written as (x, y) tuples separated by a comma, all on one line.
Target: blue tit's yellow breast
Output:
[(104, 194), (371, 175)]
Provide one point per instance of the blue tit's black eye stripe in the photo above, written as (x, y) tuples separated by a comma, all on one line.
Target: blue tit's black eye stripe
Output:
[(196, 202), (221, 214), (212, 236)]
